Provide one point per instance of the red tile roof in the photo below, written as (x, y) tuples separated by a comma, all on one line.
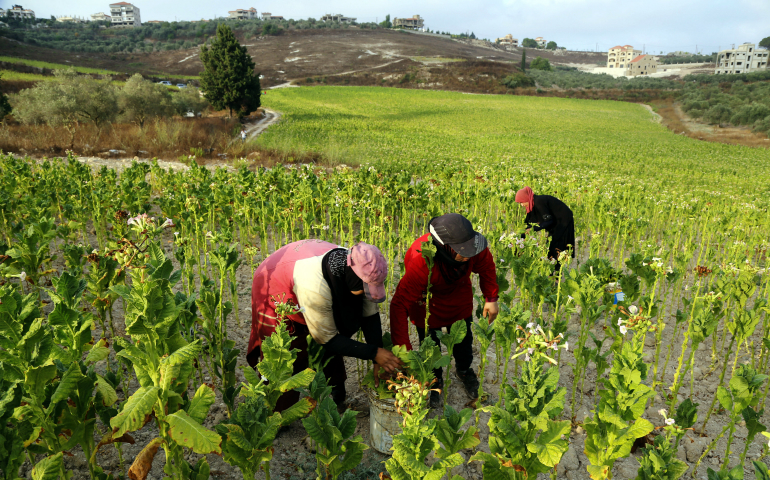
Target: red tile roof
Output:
[(638, 58), (120, 3)]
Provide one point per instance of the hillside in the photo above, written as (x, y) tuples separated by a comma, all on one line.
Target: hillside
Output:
[(297, 54)]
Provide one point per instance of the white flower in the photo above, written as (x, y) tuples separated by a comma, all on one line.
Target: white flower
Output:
[(633, 309), (167, 223), (264, 378), (670, 421), (620, 322), (569, 298), (526, 357), (176, 234), (23, 276), (530, 325), (566, 345), (663, 412), (530, 351), (623, 330)]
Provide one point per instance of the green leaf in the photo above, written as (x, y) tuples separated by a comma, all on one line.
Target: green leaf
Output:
[(725, 399), (201, 402), (300, 380), (185, 354), (105, 390), (598, 472), (187, 432), (67, 385), (48, 468), (138, 406), (299, 410), (37, 378), (549, 446), (98, 353), (676, 468), (761, 472)]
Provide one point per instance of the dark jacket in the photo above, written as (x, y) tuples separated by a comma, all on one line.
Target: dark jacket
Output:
[(555, 217)]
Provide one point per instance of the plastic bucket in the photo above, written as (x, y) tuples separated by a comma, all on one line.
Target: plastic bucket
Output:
[(384, 422)]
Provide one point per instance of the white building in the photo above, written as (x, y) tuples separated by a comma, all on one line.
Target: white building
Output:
[(100, 17), (124, 14), (338, 18), (744, 59), (243, 14), (70, 19), (17, 11), (541, 42), (269, 16)]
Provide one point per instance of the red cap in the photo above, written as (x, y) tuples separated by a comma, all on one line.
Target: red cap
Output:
[(370, 265)]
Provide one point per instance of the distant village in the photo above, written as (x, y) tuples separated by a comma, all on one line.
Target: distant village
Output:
[(622, 60)]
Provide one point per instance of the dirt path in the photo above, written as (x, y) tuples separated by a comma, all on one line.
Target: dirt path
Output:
[(270, 117), (655, 117)]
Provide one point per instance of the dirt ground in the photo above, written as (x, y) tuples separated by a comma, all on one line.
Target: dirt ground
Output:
[(679, 122), (294, 458)]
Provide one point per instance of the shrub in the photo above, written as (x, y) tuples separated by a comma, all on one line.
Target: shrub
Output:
[(518, 79), (748, 114), (540, 63), (718, 114), (142, 100)]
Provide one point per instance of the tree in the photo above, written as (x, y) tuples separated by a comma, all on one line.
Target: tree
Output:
[(523, 60), (142, 100), (68, 100), (518, 79), (189, 100), (765, 42), (473, 36), (5, 107), (386, 23), (540, 63), (529, 43), (551, 45), (228, 79)]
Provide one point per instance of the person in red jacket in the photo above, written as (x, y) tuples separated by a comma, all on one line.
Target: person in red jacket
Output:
[(460, 251)]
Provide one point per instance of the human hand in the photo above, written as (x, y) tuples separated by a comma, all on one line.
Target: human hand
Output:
[(387, 361), (490, 311)]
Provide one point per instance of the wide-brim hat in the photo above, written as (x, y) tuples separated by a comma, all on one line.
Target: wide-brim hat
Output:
[(457, 231)]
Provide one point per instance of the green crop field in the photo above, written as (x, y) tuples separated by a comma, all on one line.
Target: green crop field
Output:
[(54, 66), (125, 314)]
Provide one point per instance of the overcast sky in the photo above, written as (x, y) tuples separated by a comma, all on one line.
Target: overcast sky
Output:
[(658, 25)]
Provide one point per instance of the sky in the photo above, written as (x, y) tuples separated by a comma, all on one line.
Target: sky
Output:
[(652, 25)]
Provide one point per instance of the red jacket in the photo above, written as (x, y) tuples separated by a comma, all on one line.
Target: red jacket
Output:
[(448, 303)]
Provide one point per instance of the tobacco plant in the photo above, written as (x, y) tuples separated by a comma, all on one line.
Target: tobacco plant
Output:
[(524, 437), (417, 437), (163, 363), (456, 335), (616, 422), (247, 439)]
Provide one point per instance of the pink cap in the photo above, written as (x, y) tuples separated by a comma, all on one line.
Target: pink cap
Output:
[(370, 265)]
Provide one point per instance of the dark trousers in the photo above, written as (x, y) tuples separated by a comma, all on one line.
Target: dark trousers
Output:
[(334, 371), (463, 351)]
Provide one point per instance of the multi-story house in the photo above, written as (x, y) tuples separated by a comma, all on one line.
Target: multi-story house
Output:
[(746, 58), (243, 14), (508, 41), (100, 17), (642, 65), (338, 18), (17, 11), (124, 14), (416, 22), (621, 56), (541, 42)]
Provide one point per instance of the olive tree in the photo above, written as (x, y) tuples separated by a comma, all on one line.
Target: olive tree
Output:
[(141, 100)]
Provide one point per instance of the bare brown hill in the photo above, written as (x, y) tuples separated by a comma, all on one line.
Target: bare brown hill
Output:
[(298, 54)]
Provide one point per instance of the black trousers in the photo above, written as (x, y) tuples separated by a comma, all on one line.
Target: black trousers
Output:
[(463, 351)]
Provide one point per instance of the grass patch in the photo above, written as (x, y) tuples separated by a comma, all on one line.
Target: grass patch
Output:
[(53, 66), (11, 75)]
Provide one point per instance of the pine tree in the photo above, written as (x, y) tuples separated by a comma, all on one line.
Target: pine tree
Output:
[(523, 60), (228, 79)]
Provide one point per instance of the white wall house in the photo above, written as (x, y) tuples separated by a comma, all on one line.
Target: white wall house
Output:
[(17, 11), (124, 14), (746, 58), (100, 17), (243, 14), (621, 56), (337, 18)]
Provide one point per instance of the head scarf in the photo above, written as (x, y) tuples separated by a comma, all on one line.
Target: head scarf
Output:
[(526, 195), (451, 269), (347, 308)]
